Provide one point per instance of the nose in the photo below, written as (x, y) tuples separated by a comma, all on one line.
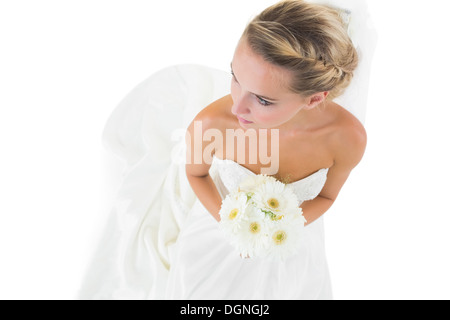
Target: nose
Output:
[(239, 106)]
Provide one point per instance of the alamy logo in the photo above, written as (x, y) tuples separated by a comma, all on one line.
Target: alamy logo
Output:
[(256, 143)]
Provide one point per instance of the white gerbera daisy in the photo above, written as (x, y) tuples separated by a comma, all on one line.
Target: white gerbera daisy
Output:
[(275, 197), (252, 182), (232, 211), (252, 239), (285, 236)]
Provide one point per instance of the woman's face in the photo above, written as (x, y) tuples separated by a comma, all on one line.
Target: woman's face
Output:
[(259, 89)]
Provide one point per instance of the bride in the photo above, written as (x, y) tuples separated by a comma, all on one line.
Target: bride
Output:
[(164, 241)]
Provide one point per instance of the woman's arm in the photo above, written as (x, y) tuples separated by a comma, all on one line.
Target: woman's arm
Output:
[(314, 209), (349, 148), (198, 164), (207, 193)]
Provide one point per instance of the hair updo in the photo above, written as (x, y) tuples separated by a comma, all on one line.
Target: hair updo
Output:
[(310, 40)]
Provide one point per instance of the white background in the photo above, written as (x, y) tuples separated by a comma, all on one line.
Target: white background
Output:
[(65, 65)]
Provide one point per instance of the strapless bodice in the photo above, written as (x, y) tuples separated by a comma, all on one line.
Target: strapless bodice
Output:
[(231, 174)]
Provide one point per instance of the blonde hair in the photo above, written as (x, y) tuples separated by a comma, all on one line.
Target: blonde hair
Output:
[(308, 39)]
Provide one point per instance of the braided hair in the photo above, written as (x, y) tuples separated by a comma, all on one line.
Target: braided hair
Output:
[(310, 41)]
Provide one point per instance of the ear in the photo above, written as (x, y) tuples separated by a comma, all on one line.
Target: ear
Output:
[(316, 99)]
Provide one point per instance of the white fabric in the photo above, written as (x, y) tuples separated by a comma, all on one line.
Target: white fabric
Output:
[(205, 265), (154, 198), (160, 242)]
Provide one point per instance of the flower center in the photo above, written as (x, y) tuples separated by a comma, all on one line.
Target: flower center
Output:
[(273, 203), (279, 237), (255, 228), (233, 214)]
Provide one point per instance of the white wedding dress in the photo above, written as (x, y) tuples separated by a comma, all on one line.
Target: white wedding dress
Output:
[(204, 265), (160, 242)]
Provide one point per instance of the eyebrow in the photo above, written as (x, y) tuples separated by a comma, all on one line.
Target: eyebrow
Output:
[(257, 95)]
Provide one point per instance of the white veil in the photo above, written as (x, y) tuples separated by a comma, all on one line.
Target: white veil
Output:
[(133, 256), (363, 34)]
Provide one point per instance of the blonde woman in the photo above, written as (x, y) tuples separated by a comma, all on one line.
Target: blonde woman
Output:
[(291, 63)]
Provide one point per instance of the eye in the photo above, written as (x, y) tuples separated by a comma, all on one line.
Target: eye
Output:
[(263, 102)]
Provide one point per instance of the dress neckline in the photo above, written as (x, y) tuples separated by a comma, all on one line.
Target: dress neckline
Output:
[(251, 172)]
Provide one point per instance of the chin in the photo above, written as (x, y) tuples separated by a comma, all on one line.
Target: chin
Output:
[(247, 126)]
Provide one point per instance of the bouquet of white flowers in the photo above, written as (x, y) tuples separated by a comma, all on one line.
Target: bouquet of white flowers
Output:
[(262, 218)]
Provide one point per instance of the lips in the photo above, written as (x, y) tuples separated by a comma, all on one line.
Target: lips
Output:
[(243, 120)]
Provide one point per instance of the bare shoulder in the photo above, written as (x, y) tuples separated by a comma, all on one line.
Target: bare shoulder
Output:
[(199, 151), (349, 138)]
